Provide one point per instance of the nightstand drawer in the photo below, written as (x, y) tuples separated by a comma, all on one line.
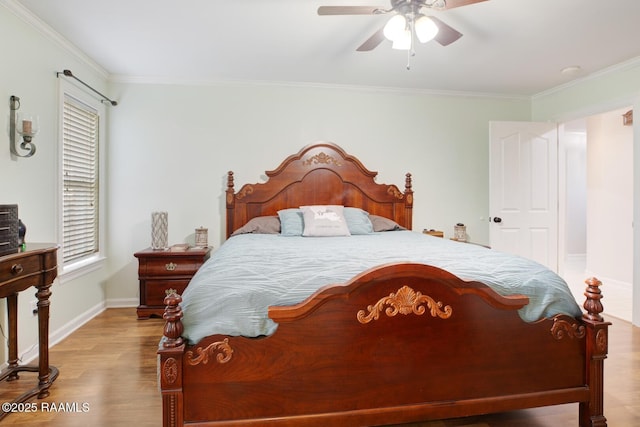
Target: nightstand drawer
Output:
[(156, 290), (168, 267)]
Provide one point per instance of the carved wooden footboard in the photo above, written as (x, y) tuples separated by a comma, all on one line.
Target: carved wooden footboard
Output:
[(398, 343)]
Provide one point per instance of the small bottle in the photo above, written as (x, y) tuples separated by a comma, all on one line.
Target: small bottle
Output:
[(22, 231)]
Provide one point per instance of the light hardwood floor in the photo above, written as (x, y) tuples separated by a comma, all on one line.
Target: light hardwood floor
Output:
[(109, 365)]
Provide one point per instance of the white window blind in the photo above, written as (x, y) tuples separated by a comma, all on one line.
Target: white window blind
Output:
[(80, 180)]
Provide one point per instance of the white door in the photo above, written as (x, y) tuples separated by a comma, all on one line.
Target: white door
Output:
[(523, 190)]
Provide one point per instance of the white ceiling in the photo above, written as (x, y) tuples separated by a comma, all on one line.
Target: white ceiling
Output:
[(509, 47)]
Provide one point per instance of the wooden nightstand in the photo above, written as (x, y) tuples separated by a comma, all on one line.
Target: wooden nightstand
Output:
[(432, 232), (159, 271)]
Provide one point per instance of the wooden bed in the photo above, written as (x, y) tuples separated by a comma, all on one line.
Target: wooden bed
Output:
[(396, 344)]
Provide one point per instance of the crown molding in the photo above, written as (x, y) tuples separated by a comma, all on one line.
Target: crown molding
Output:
[(156, 80), (622, 66), (43, 28)]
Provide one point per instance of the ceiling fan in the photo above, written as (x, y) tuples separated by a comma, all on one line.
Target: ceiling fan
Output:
[(407, 23)]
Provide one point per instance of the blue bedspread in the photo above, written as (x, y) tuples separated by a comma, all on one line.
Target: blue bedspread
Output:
[(232, 291)]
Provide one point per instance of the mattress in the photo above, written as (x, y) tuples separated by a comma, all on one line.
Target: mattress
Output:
[(230, 294)]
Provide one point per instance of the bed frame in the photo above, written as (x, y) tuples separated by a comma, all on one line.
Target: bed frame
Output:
[(396, 344)]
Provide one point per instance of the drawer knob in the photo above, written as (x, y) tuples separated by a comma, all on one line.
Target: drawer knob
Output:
[(171, 266), (17, 269)]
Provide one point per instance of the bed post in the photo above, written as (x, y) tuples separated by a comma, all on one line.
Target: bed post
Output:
[(592, 412), (230, 204), (408, 194), (170, 352)]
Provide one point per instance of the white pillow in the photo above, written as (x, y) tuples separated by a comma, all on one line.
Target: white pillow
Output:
[(324, 220)]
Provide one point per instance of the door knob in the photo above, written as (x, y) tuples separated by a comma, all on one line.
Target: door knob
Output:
[(497, 219)]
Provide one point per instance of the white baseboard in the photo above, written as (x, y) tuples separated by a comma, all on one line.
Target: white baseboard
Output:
[(61, 333), (575, 257), (123, 303)]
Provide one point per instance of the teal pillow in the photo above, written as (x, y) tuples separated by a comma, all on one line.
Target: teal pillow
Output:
[(358, 221), (291, 222)]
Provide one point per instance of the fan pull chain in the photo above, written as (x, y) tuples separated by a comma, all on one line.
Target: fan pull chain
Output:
[(411, 51)]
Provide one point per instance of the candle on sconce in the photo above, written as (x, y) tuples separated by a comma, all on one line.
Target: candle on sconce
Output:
[(27, 127)]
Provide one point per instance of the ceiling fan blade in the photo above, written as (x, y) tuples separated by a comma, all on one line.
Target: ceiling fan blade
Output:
[(348, 10), (372, 42), (458, 3), (446, 34)]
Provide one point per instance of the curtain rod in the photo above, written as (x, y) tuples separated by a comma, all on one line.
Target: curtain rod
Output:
[(68, 73)]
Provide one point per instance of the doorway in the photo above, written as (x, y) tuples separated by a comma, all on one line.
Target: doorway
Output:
[(596, 207)]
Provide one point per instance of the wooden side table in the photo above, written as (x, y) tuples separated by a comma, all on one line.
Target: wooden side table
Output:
[(36, 266), (433, 232), (160, 270)]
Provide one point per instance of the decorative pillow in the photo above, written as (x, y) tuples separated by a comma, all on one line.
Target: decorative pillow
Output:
[(381, 223), (291, 222), (324, 220), (260, 225), (358, 221)]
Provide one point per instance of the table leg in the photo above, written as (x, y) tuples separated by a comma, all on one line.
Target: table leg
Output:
[(12, 314), (43, 294)]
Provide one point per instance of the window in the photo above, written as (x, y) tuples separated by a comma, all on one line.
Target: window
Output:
[(80, 181)]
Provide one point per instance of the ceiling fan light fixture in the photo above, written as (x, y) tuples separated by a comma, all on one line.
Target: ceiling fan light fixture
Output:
[(426, 29), (403, 42), (395, 27)]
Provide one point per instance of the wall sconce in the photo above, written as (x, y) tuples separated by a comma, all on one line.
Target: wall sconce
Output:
[(24, 124)]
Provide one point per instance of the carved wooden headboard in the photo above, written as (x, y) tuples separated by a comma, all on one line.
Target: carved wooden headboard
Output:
[(319, 174)]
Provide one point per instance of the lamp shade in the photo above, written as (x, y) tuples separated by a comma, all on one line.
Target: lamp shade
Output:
[(395, 27), (425, 28), (403, 42)]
